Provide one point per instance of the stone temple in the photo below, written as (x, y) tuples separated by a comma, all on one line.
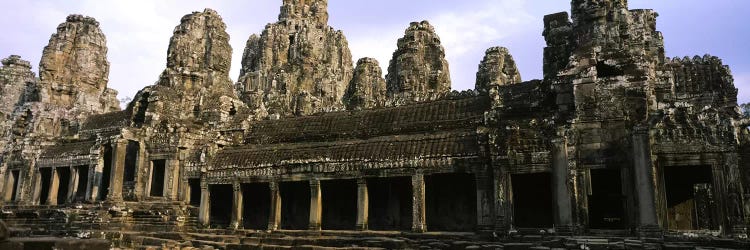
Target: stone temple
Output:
[(618, 147)]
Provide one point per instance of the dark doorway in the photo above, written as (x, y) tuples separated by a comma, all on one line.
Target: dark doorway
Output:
[(256, 205), (106, 173), (451, 202), (131, 162), (339, 204), (390, 203), (83, 181), (221, 205), (15, 174), (606, 201), (46, 175), (532, 200), (295, 205), (63, 175), (690, 204), (195, 191), (157, 178)]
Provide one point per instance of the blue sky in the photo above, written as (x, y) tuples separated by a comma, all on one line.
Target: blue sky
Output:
[(138, 31)]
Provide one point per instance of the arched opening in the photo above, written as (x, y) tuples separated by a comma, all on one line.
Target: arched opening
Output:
[(221, 205), (46, 176), (63, 174), (451, 203), (390, 203), (295, 205), (532, 200), (339, 204), (256, 205)]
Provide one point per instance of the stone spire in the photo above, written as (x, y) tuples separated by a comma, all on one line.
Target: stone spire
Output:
[(15, 77), (298, 65), (497, 68), (367, 89), (418, 70), (74, 70), (199, 55), (315, 10), (195, 85)]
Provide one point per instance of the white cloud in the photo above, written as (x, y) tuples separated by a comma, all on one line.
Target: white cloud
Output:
[(742, 82)]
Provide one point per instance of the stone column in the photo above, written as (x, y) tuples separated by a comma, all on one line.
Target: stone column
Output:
[(54, 185), (72, 184), (237, 208), (485, 222), (316, 205), (274, 217), (171, 183), (362, 205), (37, 187), (644, 183), (560, 177), (117, 170), (204, 212), (8, 187), (96, 175), (419, 220)]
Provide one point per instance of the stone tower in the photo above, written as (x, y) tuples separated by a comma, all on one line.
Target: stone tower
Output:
[(418, 70), (74, 70), (367, 89), (298, 65)]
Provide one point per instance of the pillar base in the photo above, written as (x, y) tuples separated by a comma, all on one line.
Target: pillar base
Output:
[(361, 227), (235, 226), (314, 227), (650, 231)]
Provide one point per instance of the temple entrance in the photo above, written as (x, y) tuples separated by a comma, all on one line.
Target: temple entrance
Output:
[(83, 181), (295, 205), (157, 178), (63, 174), (339, 204), (195, 192), (451, 202), (221, 205), (690, 200), (532, 200), (256, 198), (106, 173), (14, 189), (390, 203), (129, 173), (606, 201), (46, 176)]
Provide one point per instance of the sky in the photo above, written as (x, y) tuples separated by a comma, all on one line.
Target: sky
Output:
[(138, 31)]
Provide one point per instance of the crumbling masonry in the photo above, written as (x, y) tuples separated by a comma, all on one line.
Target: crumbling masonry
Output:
[(616, 138)]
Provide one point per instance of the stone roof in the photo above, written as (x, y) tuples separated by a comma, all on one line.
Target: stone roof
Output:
[(459, 143), (441, 115), (62, 150), (106, 120)]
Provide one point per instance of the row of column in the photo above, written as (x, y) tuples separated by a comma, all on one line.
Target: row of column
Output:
[(418, 207)]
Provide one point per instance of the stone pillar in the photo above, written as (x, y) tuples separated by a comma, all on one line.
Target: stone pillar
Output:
[(237, 208), (560, 177), (171, 183), (419, 220), (117, 171), (37, 187), (644, 183), (54, 185), (8, 187), (485, 222), (362, 205), (274, 217), (96, 175), (204, 212), (72, 184), (316, 205)]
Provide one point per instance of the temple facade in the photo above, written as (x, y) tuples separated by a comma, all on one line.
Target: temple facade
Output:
[(615, 139)]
